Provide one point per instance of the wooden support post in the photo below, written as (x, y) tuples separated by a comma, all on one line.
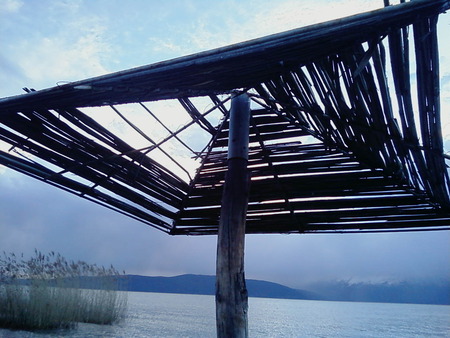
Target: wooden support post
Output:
[(231, 292)]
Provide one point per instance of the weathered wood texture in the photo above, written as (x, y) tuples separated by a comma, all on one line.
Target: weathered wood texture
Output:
[(376, 161), (231, 292)]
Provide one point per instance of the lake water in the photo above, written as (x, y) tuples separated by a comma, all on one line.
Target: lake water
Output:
[(176, 315)]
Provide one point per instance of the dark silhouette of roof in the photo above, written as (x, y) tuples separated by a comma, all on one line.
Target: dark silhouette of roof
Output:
[(340, 139)]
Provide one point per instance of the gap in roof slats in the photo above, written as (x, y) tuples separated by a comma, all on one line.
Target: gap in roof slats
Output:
[(319, 185)]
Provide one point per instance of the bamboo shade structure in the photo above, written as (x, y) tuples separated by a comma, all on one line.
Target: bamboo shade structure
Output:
[(340, 140)]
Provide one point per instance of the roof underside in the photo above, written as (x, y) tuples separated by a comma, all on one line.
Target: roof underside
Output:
[(340, 139)]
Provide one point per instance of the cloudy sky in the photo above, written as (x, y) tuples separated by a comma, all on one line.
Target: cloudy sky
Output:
[(44, 42)]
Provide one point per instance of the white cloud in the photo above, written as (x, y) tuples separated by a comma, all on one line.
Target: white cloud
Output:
[(163, 45), (281, 16), (10, 6), (71, 6), (61, 59), (56, 43), (253, 19)]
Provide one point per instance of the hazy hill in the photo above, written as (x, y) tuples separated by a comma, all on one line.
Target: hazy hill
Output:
[(419, 293), (404, 292), (205, 285)]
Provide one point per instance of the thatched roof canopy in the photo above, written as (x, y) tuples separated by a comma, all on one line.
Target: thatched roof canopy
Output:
[(340, 140)]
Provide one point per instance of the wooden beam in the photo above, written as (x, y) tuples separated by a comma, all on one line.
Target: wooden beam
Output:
[(231, 292)]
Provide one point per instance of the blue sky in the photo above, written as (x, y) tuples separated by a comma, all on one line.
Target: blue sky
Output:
[(45, 42)]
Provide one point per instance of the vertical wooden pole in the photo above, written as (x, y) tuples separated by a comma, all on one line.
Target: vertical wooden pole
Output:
[(231, 292)]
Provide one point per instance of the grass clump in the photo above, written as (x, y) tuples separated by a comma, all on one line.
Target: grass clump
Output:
[(47, 291)]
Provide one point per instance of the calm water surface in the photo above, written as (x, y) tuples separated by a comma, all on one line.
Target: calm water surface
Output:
[(175, 315)]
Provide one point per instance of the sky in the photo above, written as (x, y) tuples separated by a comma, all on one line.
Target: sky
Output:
[(47, 42)]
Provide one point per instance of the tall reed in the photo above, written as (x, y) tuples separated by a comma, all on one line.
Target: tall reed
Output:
[(47, 291)]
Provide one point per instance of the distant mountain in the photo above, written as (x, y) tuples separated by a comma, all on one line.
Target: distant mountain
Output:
[(418, 293), (404, 292), (205, 285)]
